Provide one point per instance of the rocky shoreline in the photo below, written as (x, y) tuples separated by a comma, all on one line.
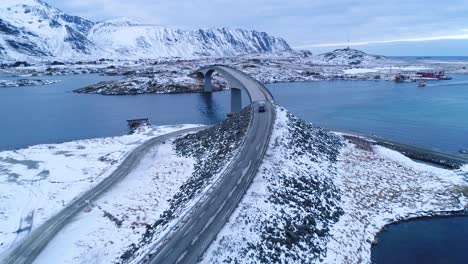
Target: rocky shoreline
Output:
[(26, 82), (143, 85)]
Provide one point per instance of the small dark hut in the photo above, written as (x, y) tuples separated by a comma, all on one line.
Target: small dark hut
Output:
[(133, 124)]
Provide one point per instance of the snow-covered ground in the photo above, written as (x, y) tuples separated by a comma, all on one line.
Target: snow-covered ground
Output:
[(120, 217), (359, 70), (319, 198), (179, 76), (382, 186), (38, 181), (125, 222)]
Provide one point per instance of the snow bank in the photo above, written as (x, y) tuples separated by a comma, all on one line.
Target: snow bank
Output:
[(37, 182)]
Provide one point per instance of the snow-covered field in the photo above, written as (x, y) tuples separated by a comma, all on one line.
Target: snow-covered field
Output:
[(382, 186), (319, 198), (124, 223), (38, 181), (120, 217)]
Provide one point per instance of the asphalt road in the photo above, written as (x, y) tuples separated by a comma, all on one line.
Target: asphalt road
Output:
[(188, 242), (30, 247)]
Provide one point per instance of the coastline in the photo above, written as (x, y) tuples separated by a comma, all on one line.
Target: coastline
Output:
[(177, 76), (420, 153), (436, 216)]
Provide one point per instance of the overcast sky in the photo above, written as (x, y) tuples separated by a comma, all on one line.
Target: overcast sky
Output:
[(314, 24)]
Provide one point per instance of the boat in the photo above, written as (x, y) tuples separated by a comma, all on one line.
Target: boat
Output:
[(422, 84)]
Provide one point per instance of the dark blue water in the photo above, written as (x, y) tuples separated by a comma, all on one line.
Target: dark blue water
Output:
[(53, 113), (436, 240), (435, 116)]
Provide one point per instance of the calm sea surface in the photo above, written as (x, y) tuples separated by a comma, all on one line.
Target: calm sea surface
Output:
[(435, 116), (53, 113), (435, 241)]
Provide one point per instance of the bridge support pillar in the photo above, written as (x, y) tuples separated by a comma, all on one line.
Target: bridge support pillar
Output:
[(236, 100), (208, 85)]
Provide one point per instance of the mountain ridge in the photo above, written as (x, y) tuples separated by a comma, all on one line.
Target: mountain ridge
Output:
[(34, 30)]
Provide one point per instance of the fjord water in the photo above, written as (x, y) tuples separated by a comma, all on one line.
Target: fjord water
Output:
[(435, 240), (53, 113), (435, 116)]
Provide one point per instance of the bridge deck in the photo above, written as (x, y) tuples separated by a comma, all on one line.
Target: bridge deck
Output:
[(193, 235)]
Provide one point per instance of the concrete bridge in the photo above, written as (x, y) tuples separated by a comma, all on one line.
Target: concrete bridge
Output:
[(187, 242), (237, 82)]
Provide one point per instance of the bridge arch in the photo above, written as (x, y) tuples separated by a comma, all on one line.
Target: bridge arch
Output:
[(234, 83)]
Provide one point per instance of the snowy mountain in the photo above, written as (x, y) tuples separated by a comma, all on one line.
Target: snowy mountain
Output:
[(32, 29), (348, 57), (129, 38)]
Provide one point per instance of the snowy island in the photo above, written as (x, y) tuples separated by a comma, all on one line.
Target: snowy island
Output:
[(176, 75)]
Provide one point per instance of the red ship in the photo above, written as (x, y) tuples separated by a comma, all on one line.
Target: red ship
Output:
[(440, 75)]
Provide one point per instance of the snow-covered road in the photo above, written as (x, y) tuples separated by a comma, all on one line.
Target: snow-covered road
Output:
[(26, 250)]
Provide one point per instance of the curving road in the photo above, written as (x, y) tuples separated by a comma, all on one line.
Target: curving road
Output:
[(188, 242), (29, 248)]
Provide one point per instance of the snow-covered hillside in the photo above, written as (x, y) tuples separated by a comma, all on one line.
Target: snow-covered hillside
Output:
[(129, 38), (32, 29), (319, 197), (348, 57)]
